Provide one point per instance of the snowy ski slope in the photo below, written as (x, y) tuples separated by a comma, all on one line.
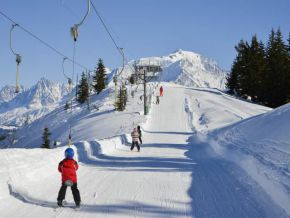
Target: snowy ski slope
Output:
[(178, 173)]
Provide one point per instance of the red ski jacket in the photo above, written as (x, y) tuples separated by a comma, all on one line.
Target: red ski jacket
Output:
[(68, 168)]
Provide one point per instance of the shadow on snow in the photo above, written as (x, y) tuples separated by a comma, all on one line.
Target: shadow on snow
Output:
[(138, 163), (128, 207), (220, 188)]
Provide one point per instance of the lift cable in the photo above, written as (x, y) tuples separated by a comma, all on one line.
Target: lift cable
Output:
[(42, 41), (119, 49)]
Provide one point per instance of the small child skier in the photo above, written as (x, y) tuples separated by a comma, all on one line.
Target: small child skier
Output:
[(68, 167), (140, 134), (135, 137)]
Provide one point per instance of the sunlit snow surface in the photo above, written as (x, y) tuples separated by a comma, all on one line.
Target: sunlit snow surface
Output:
[(205, 154)]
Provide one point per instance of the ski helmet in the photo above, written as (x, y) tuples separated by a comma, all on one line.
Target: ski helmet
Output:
[(69, 153)]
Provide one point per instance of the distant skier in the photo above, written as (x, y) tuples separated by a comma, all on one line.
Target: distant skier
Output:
[(161, 91), (157, 99), (68, 167), (140, 134), (135, 137)]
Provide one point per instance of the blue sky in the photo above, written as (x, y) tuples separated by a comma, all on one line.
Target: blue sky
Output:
[(142, 27)]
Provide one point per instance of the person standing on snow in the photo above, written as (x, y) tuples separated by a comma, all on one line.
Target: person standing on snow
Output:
[(161, 91), (135, 137), (68, 167), (140, 134), (157, 99)]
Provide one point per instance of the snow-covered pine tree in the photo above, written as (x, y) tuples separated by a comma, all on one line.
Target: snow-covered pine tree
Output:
[(100, 78), (83, 89), (45, 138)]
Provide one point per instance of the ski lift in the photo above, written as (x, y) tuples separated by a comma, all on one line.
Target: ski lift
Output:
[(18, 59), (123, 56), (69, 138), (74, 29), (74, 34), (66, 76), (115, 78)]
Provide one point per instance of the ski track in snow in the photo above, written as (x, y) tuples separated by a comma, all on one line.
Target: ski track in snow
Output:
[(174, 175)]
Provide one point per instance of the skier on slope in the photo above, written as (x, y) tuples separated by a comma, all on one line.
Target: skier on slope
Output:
[(157, 99), (161, 91), (140, 134), (68, 167), (135, 137)]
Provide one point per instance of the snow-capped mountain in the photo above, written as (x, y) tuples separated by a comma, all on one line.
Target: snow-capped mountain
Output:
[(32, 103), (7, 93), (185, 68), (194, 70), (182, 67)]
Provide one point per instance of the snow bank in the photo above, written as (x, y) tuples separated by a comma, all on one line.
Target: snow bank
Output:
[(261, 145), (211, 109)]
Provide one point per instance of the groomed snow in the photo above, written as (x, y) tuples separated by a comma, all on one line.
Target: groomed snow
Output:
[(178, 173), (261, 146)]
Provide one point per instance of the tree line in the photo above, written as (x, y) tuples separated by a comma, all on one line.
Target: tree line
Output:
[(98, 84), (261, 71)]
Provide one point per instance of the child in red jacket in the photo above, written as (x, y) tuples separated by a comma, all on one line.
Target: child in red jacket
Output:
[(68, 167)]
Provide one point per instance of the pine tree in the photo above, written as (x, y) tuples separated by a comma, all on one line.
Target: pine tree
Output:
[(232, 78), (100, 78), (237, 78), (263, 74), (119, 103), (122, 98), (132, 79), (45, 138), (27, 120), (66, 106), (289, 44), (83, 89), (244, 75), (256, 70), (278, 74)]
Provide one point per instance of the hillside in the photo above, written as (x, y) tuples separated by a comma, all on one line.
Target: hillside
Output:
[(175, 174)]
